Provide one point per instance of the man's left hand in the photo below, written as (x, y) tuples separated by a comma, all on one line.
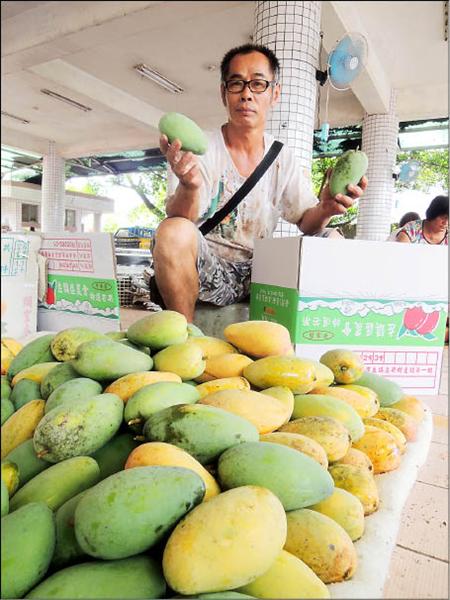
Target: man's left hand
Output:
[(338, 205)]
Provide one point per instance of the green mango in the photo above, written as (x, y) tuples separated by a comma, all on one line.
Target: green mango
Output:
[(56, 377), (177, 126), (72, 391), (5, 388), (297, 479), (78, 429), (28, 541), (319, 405), (159, 330), (348, 169), (135, 578), (24, 455), (186, 360), (130, 511), (105, 359), (24, 391), (67, 550), (58, 483), (117, 335), (35, 352), (143, 349), (112, 457), (154, 397), (388, 391), (65, 343), (203, 431), (4, 498), (6, 409), (194, 331)]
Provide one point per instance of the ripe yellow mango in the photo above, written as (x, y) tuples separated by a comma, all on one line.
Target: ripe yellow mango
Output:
[(226, 542), (345, 509), (357, 458), (404, 421), (224, 365), (381, 448), (398, 436), (359, 482), (186, 360), (35, 373), (288, 577), (412, 406), (211, 346), (9, 349), (299, 442), (365, 405), (265, 412), (324, 375), (162, 454), (295, 373), (284, 395), (322, 544), (330, 433), (126, 386), (21, 425), (346, 365), (226, 383), (259, 338)]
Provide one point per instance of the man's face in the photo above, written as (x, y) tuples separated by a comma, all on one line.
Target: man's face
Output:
[(249, 109)]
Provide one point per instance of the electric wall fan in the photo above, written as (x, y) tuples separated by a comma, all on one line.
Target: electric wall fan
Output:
[(345, 62), (409, 171)]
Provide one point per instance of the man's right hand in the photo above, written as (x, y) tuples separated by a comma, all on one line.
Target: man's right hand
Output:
[(183, 164)]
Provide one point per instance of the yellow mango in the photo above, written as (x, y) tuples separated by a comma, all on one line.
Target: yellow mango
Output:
[(259, 338), (295, 373), (35, 372), (162, 454), (21, 425), (126, 386), (10, 476), (412, 406), (9, 349), (211, 346), (227, 383), (324, 375), (381, 448), (284, 395), (407, 424), (224, 365), (398, 436), (299, 442), (288, 577), (359, 482), (346, 365), (265, 412), (357, 458), (345, 509), (225, 543), (365, 405), (330, 433), (322, 544)]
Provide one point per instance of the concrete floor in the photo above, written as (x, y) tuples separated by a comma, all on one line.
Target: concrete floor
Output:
[(419, 565)]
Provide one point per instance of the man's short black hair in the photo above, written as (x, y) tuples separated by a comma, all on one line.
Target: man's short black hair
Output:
[(247, 49), (438, 208)]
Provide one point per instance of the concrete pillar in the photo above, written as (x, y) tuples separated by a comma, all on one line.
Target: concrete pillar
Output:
[(97, 222), (53, 191), (292, 31), (379, 142)]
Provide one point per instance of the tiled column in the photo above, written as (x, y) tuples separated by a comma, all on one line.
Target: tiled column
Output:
[(97, 222), (292, 31), (53, 191), (379, 142)]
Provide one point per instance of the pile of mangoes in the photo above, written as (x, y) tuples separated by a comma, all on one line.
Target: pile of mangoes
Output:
[(160, 462)]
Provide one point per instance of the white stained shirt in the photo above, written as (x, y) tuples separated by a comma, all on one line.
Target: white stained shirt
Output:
[(283, 191)]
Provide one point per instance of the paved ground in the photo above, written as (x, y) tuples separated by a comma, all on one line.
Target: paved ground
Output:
[(419, 567)]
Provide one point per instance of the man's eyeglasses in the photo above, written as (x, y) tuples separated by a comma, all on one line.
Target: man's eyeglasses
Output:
[(257, 86)]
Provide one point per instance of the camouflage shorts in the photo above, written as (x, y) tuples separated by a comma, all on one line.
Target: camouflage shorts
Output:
[(221, 281)]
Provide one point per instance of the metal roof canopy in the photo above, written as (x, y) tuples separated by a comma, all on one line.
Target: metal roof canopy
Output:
[(135, 161)]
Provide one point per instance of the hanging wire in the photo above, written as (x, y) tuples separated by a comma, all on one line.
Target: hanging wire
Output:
[(318, 84)]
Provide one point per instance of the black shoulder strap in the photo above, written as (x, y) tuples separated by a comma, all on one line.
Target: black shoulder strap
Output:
[(245, 188)]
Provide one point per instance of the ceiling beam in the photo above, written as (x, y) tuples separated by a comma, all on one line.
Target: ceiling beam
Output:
[(81, 82), (372, 87), (24, 141)]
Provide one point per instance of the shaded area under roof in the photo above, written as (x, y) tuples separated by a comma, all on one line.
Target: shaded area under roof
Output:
[(413, 135)]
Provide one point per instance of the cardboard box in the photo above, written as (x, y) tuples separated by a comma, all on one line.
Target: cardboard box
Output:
[(386, 301), (19, 277), (81, 286)]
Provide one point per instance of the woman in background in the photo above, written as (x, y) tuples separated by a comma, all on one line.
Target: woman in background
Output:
[(432, 230)]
